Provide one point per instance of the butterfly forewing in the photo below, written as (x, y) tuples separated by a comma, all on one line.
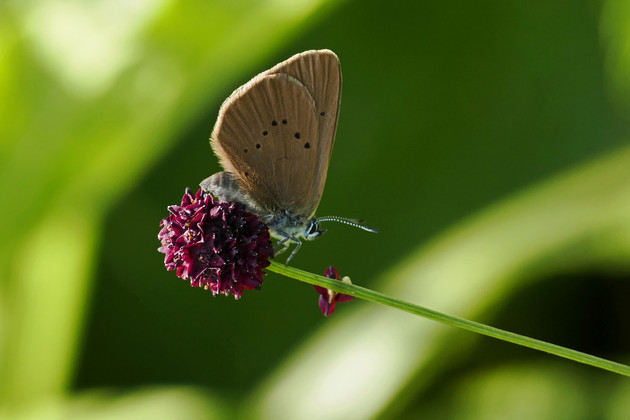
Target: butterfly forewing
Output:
[(276, 133), (267, 135), (319, 71)]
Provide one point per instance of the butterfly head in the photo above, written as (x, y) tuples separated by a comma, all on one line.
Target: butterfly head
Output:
[(287, 225), (313, 230), (290, 228)]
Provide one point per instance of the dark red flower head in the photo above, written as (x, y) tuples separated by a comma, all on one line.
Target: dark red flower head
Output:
[(328, 298), (216, 245)]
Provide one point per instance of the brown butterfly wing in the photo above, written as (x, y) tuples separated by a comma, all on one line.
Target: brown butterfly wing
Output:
[(320, 72), (267, 135), (285, 172)]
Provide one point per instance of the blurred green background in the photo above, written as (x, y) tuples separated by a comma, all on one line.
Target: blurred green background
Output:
[(488, 141)]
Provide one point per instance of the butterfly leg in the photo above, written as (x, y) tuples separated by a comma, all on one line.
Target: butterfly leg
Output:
[(295, 250), (284, 241)]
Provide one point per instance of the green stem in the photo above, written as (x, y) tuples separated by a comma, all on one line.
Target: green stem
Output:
[(372, 296)]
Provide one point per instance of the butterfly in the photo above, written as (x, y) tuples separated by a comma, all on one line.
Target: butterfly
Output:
[(274, 137)]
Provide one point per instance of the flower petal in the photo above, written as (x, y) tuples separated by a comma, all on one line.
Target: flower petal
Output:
[(215, 245), (326, 307)]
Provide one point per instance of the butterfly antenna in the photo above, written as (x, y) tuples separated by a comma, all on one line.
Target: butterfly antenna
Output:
[(352, 222)]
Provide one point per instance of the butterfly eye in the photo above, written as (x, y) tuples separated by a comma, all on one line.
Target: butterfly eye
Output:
[(313, 227), (313, 230)]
